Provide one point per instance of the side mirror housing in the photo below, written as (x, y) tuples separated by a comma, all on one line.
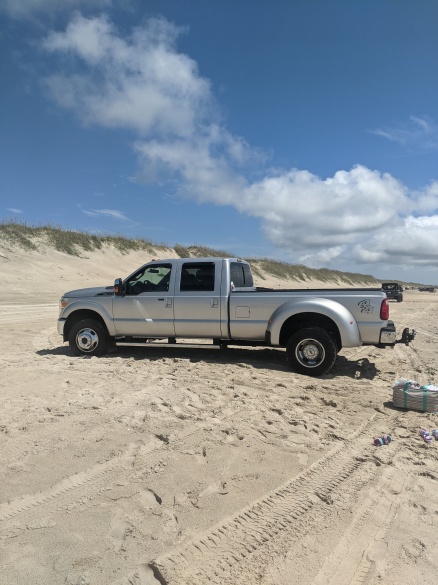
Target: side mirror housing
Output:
[(119, 289)]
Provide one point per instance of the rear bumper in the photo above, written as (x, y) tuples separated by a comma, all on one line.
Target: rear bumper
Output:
[(388, 335)]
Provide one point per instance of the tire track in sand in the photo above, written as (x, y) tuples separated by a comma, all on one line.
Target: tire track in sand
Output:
[(16, 514), (25, 313), (360, 553), (220, 552)]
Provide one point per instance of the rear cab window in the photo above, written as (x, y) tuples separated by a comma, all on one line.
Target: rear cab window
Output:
[(240, 276)]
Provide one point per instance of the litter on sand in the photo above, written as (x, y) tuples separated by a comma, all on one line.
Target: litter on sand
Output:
[(383, 440), (426, 435)]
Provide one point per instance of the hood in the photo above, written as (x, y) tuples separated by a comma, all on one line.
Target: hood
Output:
[(101, 291)]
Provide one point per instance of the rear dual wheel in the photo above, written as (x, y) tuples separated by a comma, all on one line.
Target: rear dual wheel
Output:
[(311, 351)]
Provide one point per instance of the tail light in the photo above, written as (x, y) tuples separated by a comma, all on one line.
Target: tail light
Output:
[(384, 310)]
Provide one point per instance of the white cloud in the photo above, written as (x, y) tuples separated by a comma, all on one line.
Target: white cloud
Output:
[(302, 211), (426, 200), (322, 257), (141, 82), (13, 210), (414, 242), (112, 213), (26, 8), (417, 134)]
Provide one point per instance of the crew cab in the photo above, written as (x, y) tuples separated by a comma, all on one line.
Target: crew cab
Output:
[(178, 301)]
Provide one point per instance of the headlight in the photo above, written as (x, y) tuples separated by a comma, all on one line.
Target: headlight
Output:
[(63, 303)]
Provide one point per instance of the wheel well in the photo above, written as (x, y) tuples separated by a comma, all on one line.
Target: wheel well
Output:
[(306, 320), (80, 316)]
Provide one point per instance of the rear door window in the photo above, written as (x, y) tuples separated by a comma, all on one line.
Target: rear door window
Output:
[(197, 276)]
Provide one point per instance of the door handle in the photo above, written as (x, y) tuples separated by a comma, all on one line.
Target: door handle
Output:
[(168, 302), (214, 303)]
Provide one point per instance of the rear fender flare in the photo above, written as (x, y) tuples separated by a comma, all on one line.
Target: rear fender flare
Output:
[(344, 320)]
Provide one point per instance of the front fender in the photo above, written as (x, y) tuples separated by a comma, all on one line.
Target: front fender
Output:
[(344, 320), (93, 306)]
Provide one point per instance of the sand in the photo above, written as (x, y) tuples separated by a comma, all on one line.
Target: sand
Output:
[(167, 466)]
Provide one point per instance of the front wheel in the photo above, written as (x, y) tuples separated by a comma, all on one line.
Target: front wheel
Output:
[(88, 337), (311, 351)]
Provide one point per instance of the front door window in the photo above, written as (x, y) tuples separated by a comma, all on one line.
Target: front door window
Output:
[(151, 278)]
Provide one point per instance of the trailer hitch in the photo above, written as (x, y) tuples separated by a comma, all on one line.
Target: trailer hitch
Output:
[(407, 336)]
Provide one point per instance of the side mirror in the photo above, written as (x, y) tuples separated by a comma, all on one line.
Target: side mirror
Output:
[(119, 288)]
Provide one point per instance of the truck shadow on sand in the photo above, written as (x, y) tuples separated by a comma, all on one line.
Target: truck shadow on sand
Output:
[(266, 359)]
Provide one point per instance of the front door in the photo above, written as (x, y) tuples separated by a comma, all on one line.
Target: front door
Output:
[(147, 308)]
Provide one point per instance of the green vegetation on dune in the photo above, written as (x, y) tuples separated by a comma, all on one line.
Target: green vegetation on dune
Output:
[(199, 251), (76, 242), (68, 241), (298, 272)]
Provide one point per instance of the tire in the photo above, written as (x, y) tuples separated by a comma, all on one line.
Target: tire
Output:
[(88, 337), (311, 352)]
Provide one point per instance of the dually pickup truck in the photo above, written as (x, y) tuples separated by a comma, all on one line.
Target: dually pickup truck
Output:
[(215, 299)]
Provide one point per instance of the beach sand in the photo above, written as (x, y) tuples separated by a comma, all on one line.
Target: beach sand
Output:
[(177, 466)]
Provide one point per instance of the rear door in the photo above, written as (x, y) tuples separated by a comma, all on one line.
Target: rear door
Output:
[(197, 308)]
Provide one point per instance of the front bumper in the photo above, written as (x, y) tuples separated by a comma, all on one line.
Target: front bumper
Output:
[(60, 326)]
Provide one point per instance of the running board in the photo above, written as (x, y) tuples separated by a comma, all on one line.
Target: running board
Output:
[(154, 344)]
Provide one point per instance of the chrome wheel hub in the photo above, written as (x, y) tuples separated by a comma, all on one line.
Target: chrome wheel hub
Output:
[(87, 340), (310, 353)]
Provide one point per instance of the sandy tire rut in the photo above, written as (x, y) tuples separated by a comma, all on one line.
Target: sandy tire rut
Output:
[(15, 515), (237, 549)]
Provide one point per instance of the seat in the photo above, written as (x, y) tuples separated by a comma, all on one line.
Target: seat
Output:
[(205, 279), (188, 280)]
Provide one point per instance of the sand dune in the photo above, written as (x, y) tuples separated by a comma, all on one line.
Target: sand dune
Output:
[(193, 466)]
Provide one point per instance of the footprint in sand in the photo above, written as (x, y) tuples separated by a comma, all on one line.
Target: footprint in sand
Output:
[(147, 575), (119, 529), (149, 499), (170, 522), (218, 488)]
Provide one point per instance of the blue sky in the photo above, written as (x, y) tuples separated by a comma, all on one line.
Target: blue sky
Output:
[(300, 130)]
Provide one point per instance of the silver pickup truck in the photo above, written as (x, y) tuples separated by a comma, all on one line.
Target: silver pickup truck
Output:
[(215, 298)]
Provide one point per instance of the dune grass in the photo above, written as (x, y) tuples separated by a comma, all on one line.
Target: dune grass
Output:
[(298, 272), (71, 242), (75, 243)]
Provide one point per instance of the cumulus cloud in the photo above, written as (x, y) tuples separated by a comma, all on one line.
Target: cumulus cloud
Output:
[(142, 83), (337, 209), (412, 243), (426, 200)]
